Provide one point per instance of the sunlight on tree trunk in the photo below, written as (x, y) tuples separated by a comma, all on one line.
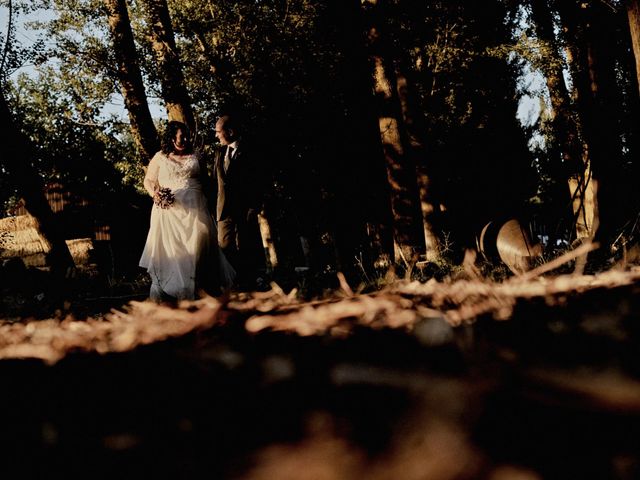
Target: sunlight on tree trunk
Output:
[(171, 77), (584, 191), (427, 207), (267, 242), (633, 12), (399, 172), (589, 27), (131, 84), (605, 133)]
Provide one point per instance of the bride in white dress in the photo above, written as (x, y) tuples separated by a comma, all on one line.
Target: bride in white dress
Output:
[(181, 253)]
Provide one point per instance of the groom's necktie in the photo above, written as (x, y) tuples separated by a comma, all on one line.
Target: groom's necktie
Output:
[(227, 158)]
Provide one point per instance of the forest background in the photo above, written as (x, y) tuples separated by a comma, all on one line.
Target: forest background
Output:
[(394, 138), (389, 129)]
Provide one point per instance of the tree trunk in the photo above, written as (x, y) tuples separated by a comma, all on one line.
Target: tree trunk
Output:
[(592, 27), (633, 12), (416, 130), (163, 42), (564, 125), (15, 159), (401, 169), (600, 27), (131, 84), (566, 148), (365, 227), (581, 186)]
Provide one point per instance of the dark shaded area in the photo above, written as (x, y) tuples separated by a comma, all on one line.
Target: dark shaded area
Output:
[(206, 405)]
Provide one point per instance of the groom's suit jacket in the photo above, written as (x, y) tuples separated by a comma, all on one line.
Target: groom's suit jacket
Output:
[(236, 188)]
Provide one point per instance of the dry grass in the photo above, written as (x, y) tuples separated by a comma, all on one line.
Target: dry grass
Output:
[(141, 323), (22, 240), (402, 305)]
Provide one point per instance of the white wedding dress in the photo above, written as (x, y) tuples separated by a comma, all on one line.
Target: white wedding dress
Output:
[(181, 246)]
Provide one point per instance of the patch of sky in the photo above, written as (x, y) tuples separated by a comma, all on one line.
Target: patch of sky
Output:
[(27, 33), (531, 86)]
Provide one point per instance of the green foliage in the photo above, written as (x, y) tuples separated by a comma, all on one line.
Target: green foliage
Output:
[(72, 143), (258, 57), (62, 103), (14, 53), (459, 57), (290, 67)]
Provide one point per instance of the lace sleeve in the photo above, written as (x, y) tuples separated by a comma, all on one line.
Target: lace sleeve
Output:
[(151, 176)]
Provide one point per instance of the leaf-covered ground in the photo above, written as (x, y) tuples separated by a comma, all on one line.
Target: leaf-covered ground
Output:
[(528, 378)]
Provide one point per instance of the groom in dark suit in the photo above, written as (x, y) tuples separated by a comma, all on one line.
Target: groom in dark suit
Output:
[(238, 197)]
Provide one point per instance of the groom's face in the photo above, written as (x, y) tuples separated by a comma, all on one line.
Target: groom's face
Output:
[(223, 134)]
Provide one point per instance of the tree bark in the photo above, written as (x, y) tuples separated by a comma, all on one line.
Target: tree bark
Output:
[(592, 26), (15, 159), (600, 26), (581, 185), (401, 168), (633, 13), (564, 125), (163, 43), (566, 148), (131, 84), (363, 221), (416, 131)]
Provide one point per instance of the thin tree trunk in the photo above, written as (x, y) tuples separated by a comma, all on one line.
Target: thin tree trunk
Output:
[(163, 42), (581, 186), (566, 147), (15, 159), (564, 125), (633, 12), (600, 27), (131, 84)]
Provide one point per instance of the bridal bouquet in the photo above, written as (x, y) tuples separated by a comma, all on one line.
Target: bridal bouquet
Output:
[(163, 197)]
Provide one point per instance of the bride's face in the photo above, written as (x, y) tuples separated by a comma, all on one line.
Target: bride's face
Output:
[(180, 142)]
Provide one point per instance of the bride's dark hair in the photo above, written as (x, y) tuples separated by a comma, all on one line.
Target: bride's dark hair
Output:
[(169, 136)]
